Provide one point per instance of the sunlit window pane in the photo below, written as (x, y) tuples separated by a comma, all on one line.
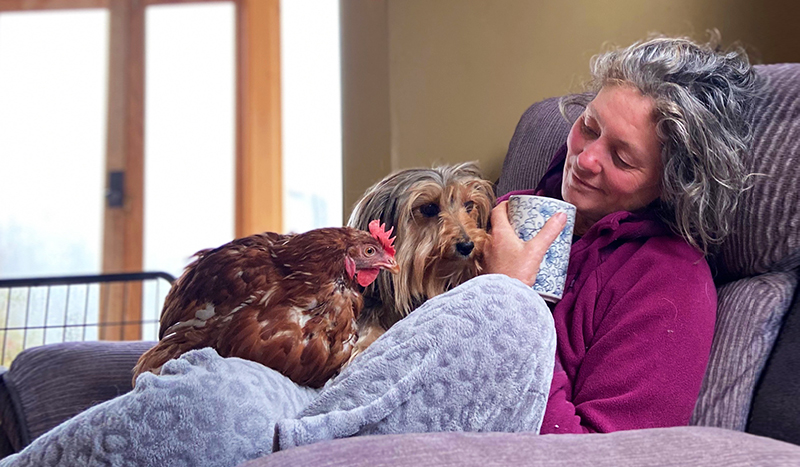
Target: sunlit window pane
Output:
[(53, 81), (189, 131), (311, 103)]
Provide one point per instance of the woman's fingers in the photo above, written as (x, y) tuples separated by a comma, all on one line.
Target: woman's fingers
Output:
[(504, 254), (507, 254), (500, 218), (549, 233)]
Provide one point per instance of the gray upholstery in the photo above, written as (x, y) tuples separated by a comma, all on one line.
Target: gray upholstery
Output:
[(539, 134), (49, 384), (681, 446), (748, 321), (775, 411), (766, 238), (763, 253), (766, 234)]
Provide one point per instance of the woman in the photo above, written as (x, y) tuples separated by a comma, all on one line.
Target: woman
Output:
[(653, 168)]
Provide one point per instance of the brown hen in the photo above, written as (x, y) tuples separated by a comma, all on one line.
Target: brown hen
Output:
[(286, 301)]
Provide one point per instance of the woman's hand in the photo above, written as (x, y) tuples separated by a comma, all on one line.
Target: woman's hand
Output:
[(508, 254)]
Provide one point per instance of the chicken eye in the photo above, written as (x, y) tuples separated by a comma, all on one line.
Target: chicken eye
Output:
[(370, 250), (468, 206), (429, 210)]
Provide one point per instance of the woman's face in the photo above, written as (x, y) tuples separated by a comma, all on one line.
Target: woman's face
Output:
[(613, 156)]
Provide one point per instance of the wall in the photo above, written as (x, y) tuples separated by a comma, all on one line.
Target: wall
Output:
[(438, 81)]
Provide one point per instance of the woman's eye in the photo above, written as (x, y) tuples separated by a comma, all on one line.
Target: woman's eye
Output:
[(429, 210), (369, 251), (620, 162), (585, 129), (468, 206)]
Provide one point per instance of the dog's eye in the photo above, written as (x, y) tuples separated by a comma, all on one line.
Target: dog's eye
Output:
[(429, 210), (468, 206)]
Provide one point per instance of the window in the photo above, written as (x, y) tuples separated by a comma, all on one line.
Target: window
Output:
[(136, 132)]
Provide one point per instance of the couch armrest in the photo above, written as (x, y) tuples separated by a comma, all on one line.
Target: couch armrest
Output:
[(776, 410), (709, 447), (49, 384)]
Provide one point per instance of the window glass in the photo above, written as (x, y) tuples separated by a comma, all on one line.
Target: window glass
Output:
[(312, 122), (189, 131), (53, 86)]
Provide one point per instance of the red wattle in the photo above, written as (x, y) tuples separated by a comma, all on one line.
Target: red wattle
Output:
[(366, 276)]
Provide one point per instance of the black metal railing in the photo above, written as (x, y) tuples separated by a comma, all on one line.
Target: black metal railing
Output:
[(46, 310)]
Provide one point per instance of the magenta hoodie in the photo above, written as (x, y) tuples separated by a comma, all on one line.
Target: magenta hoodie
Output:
[(634, 326)]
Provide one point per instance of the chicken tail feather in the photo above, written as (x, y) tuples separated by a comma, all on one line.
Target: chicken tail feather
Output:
[(155, 358)]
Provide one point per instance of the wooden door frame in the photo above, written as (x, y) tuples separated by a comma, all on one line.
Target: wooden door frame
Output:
[(259, 178), (258, 183)]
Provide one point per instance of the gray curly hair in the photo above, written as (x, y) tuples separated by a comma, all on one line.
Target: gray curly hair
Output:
[(702, 97)]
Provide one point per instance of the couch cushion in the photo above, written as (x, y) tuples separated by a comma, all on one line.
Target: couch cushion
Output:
[(51, 383), (541, 131), (776, 405), (749, 317), (709, 447), (766, 236)]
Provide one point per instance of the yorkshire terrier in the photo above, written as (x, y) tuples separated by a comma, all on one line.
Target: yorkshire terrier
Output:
[(440, 218)]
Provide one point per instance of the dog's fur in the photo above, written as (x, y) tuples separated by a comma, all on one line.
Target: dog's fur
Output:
[(436, 214)]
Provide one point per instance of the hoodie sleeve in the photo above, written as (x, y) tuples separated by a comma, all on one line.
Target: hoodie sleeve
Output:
[(645, 343)]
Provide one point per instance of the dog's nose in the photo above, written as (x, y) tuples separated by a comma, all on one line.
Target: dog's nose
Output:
[(465, 248)]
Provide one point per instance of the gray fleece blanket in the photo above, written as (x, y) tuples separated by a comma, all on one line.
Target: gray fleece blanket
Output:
[(478, 358)]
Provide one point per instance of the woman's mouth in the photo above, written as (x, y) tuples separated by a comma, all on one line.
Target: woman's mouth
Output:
[(583, 184)]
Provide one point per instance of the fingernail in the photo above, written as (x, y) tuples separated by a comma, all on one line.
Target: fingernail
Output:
[(562, 216)]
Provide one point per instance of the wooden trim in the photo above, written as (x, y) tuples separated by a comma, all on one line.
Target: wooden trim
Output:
[(259, 184), (28, 5), (123, 230), (168, 2)]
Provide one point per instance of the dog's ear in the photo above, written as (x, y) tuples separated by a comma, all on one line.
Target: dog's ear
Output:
[(389, 209), (379, 202), (484, 199)]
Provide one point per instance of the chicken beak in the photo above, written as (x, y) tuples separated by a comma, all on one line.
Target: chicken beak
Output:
[(392, 266)]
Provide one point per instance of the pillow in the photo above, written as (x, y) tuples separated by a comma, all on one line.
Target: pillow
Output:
[(776, 407), (749, 317)]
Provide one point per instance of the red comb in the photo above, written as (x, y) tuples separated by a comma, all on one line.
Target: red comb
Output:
[(378, 231)]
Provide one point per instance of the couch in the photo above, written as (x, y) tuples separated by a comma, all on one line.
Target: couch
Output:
[(747, 412)]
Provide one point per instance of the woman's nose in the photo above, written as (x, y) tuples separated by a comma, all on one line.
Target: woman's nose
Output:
[(589, 159)]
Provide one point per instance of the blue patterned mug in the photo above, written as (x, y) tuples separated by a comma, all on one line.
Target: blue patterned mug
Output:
[(528, 214)]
